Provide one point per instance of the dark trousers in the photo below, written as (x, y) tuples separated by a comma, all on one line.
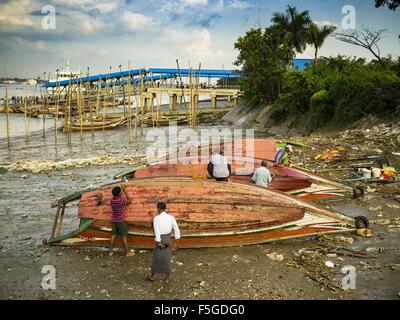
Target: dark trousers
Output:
[(210, 169)]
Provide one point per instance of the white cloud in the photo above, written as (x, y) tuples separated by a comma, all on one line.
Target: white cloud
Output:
[(179, 6), (37, 45), (136, 21), (86, 23), (239, 4), (15, 14), (197, 46)]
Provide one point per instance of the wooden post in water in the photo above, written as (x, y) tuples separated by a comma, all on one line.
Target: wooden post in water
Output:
[(98, 97), (80, 105), (25, 111), (7, 115), (45, 109), (129, 104), (89, 94), (57, 108)]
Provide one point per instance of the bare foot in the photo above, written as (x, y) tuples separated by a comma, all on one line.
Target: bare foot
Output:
[(110, 253), (129, 254)]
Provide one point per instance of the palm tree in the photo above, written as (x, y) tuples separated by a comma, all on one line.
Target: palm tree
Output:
[(293, 26), (317, 36)]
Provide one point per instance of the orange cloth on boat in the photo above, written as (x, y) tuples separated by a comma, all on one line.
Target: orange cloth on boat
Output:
[(163, 224)]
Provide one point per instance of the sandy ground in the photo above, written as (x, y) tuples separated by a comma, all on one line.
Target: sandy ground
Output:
[(220, 273)]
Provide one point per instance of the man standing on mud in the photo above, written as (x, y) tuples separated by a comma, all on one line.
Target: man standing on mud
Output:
[(163, 225), (119, 225)]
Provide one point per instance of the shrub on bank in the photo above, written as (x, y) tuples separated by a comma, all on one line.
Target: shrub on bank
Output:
[(340, 91)]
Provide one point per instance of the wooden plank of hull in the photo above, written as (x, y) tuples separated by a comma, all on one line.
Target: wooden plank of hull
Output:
[(281, 182), (101, 238), (210, 198)]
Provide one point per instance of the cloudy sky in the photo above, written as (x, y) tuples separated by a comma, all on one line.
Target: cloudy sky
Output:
[(154, 33)]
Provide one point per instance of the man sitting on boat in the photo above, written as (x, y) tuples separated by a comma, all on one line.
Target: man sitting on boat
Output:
[(119, 225), (262, 176), (284, 155), (163, 225), (218, 167)]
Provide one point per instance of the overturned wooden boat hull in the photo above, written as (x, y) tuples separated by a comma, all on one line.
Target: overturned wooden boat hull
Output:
[(298, 182), (209, 213)]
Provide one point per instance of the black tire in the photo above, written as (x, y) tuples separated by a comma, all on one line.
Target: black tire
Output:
[(358, 191), (361, 222)]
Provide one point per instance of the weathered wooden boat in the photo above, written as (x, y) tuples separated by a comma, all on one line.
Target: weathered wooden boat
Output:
[(295, 181), (164, 120), (97, 125), (209, 213)]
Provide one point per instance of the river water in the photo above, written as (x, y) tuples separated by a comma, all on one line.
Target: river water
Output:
[(19, 90)]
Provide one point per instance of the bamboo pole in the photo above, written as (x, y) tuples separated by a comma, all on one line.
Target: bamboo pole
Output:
[(45, 110), (57, 108), (80, 105), (98, 97), (106, 104), (88, 93), (67, 115), (7, 115), (129, 104), (25, 111)]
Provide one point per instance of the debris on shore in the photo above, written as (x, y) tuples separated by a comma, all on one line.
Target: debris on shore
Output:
[(40, 166)]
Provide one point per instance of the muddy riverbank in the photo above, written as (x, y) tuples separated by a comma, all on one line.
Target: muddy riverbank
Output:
[(221, 273)]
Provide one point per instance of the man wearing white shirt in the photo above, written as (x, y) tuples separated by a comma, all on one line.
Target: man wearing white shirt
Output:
[(218, 167), (262, 176), (163, 225)]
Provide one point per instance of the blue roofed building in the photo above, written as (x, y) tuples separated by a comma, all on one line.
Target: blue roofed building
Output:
[(300, 63)]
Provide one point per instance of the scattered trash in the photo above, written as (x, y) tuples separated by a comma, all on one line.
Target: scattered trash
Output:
[(331, 255), (329, 264), (381, 222), (395, 266), (275, 256), (199, 264), (378, 208), (39, 166), (345, 239), (313, 264), (395, 206), (87, 258), (202, 283), (327, 155), (364, 232)]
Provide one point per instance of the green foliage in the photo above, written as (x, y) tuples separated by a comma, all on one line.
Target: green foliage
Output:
[(3, 170), (261, 56), (340, 91)]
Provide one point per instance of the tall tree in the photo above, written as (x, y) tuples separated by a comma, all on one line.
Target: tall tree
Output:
[(317, 36), (262, 60), (392, 4), (292, 26)]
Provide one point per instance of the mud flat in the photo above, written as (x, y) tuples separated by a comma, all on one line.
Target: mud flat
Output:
[(220, 273)]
